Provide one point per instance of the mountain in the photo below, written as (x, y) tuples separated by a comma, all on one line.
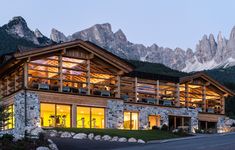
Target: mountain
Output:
[(210, 52), (16, 35)]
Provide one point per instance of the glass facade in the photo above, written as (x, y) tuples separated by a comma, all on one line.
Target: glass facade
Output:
[(90, 117), (131, 120), (55, 115)]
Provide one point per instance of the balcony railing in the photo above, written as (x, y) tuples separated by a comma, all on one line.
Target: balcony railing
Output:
[(71, 89)]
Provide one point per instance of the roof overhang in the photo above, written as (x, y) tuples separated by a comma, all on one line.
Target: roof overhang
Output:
[(88, 46), (209, 79)]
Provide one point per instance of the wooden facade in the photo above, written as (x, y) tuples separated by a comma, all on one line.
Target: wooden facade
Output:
[(81, 73)]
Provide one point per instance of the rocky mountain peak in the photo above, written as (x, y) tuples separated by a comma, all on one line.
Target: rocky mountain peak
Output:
[(38, 34), (120, 35), (57, 36), (232, 34), (17, 20), (18, 27)]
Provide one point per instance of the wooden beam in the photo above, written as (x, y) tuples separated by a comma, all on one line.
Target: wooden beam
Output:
[(204, 98), (118, 94), (26, 75), (60, 72), (222, 105), (174, 122), (186, 95), (182, 121), (158, 94), (88, 76), (177, 95), (136, 89)]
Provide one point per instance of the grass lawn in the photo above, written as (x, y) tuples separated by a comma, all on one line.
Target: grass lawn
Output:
[(145, 135)]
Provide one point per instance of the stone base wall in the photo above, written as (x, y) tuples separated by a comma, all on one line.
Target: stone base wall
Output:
[(225, 124), (145, 111), (26, 112), (115, 112)]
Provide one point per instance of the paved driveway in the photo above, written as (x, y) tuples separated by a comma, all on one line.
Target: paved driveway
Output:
[(215, 142)]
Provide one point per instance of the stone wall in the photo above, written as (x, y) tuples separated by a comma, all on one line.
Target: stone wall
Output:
[(145, 111), (116, 108), (225, 124), (26, 112), (114, 114)]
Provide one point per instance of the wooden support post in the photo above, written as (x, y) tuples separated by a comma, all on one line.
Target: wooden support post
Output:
[(61, 73), (204, 98), (186, 95), (26, 75), (74, 116), (118, 92), (174, 122), (136, 89), (182, 121), (158, 92), (88, 77), (222, 105), (177, 102), (206, 125)]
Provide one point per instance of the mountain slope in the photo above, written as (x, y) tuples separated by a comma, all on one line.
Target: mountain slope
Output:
[(210, 52), (16, 35)]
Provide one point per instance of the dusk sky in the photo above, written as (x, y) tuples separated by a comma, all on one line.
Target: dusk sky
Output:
[(168, 23)]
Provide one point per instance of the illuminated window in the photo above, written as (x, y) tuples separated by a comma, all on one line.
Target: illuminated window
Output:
[(97, 117), (63, 116), (83, 117), (154, 120), (131, 120), (89, 117), (10, 120), (55, 115)]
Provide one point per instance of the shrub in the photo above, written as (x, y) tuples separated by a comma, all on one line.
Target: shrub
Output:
[(181, 132), (7, 137), (155, 128), (41, 137), (164, 127)]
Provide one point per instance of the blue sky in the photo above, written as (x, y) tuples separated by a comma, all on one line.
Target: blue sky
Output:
[(168, 23)]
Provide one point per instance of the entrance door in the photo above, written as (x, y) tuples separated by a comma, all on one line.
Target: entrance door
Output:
[(176, 122)]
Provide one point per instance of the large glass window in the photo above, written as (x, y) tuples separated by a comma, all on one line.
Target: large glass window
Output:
[(55, 115), (131, 120), (83, 117), (90, 117), (154, 120)]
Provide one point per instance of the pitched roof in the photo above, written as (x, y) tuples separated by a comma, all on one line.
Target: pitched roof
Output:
[(96, 50), (207, 78)]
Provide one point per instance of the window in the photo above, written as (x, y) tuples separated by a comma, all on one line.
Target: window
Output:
[(90, 117), (131, 120), (10, 122), (54, 115), (154, 120)]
